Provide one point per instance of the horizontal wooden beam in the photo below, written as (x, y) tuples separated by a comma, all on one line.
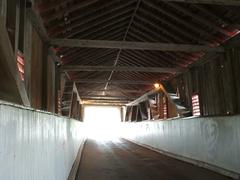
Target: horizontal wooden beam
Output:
[(112, 90), (107, 98), (144, 97), (122, 68), (214, 2), (65, 108), (133, 45), (105, 103), (96, 81)]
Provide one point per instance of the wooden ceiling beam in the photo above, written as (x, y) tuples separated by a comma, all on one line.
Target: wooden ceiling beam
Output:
[(133, 45), (104, 103), (110, 90), (99, 81), (121, 69), (105, 97)]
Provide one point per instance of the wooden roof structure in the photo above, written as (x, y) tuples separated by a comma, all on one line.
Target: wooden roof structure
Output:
[(117, 49)]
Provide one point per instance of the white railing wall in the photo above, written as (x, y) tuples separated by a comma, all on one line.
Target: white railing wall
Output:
[(36, 145), (212, 142)]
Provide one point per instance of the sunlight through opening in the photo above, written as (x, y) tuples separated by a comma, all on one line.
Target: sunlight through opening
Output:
[(102, 122)]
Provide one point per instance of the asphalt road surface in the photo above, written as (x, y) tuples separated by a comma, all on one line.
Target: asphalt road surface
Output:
[(123, 160)]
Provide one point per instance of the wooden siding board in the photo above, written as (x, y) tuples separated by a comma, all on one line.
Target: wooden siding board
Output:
[(216, 82), (27, 54), (236, 74), (36, 71), (202, 95), (3, 10), (50, 85), (12, 88)]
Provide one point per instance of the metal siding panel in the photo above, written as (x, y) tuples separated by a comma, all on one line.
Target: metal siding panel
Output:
[(213, 141), (37, 145)]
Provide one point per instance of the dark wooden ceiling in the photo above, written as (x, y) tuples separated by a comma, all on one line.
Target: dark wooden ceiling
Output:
[(138, 21)]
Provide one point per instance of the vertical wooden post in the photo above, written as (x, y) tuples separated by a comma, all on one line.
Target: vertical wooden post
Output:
[(44, 76), (139, 114), (71, 104), (127, 114), (57, 90), (75, 110), (130, 114), (148, 110), (27, 54), (21, 18), (161, 108), (137, 110), (165, 107), (121, 114), (17, 27), (3, 11), (59, 103), (143, 111), (134, 113), (81, 112)]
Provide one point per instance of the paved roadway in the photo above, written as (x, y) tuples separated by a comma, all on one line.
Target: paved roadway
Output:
[(123, 160)]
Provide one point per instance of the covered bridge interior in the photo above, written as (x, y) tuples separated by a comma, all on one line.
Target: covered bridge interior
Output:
[(171, 67)]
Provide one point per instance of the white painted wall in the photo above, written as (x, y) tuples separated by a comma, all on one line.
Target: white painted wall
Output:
[(213, 140), (36, 145)]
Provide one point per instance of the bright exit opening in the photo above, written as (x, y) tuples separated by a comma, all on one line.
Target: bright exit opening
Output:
[(102, 122)]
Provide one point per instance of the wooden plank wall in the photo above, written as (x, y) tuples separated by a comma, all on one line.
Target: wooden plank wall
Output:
[(38, 86), (27, 53), (11, 88), (42, 94), (216, 82)]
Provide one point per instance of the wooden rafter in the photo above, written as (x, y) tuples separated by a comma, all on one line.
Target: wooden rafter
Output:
[(133, 45), (121, 68), (68, 10)]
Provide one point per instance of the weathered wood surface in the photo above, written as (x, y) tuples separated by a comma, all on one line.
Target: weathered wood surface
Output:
[(132, 45), (36, 71), (12, 88), (122, 69), (216, 82)]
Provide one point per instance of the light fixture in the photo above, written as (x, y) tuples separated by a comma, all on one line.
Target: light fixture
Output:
[(157, 85)]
